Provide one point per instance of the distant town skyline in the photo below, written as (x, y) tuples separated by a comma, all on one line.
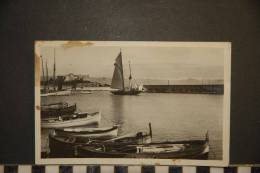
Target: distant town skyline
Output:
[(167, 63)]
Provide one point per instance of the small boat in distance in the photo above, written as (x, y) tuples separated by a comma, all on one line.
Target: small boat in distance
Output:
[(75, 120), (80, 92), (56, 93), (108, 132), (118, 79), (57, 109)]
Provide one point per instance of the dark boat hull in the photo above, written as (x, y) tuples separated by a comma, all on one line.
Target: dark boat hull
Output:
[(197, 150), (64, 147), (60, 149), (67, 146), (126, 92), (58, 112)]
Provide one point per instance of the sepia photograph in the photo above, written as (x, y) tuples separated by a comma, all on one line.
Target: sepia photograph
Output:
[(114, 102)]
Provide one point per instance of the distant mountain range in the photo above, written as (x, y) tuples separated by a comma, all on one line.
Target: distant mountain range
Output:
[(104, 80)]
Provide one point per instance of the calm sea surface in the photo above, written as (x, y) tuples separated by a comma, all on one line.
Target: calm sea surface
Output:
[(173, 116)]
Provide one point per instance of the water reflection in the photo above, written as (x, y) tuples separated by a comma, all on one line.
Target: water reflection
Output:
[(173, 116), (117, 107)]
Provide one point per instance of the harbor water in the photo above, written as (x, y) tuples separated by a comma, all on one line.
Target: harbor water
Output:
[(173, 116)]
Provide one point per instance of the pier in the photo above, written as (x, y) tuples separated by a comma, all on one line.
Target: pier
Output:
[(192, 89)]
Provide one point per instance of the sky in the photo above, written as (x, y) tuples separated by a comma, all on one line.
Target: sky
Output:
[(146, 62)]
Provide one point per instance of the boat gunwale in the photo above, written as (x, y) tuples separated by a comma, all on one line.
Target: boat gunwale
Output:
[(88, 132)]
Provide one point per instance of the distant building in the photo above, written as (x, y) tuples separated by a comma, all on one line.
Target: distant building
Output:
[(84, 77), (70, 77)]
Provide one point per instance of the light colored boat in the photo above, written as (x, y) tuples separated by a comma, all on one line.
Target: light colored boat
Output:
[(57, 93), (80, 92), (75, 120), (108, 132)]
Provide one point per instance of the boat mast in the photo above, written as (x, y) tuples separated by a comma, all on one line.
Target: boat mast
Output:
[(122, 71), (130, 76), (54, 71), (43, 75)]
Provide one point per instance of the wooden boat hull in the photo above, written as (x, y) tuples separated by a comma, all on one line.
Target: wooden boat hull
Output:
[(90, 119), (138, 138), (58, 111), (109, 132), (126, 92), (66, 146), (59, 149), (197, 150)]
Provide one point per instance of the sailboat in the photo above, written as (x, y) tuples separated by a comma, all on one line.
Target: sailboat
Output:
[(46, 90), (118, 79)]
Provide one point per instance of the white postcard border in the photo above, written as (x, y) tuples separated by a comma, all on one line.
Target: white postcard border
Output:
[(124, 161)]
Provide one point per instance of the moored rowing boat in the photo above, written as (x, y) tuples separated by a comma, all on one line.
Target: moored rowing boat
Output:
[(57, 109), (74, 120), (56, 93), (108, 132), (66, 146), (193, 149)]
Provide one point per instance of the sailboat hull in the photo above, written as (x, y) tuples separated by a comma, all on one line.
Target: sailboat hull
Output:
[(126, 92)]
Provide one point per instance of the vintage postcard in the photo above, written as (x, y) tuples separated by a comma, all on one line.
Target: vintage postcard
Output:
[(132, 103)]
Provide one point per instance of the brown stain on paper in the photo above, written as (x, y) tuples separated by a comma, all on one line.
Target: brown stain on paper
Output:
[(157, 164), (37, 66), (70, 44), (176, 161), (38, 108)]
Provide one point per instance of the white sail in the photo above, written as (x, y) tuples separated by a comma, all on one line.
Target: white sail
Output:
[(118, 76)]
